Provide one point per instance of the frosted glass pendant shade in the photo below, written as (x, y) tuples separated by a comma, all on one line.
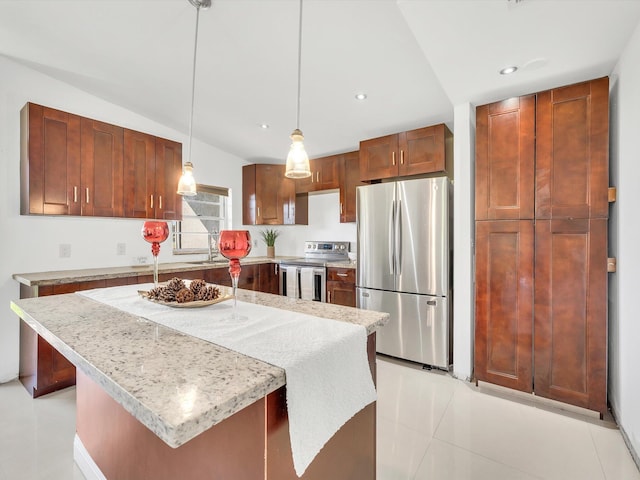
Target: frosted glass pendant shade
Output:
[(297, 160), (187, 184)]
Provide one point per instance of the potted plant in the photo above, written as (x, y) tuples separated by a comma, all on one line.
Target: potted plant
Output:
[(269, 236)]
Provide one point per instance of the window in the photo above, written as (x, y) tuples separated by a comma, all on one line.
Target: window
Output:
[(203, 216)]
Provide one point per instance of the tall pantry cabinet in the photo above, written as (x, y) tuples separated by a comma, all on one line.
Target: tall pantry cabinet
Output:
[(542, 173)]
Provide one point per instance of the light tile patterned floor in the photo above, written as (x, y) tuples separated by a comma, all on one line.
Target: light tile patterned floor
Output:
[(430, 427)]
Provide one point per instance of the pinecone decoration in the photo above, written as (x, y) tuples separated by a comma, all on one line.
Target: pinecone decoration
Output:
[(210, 293), (175, 284), (198, 287), (166, 295), (184, 295), (155, 293)]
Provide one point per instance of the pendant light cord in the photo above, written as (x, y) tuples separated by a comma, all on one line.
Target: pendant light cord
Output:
[(299, 64), (193, 80)]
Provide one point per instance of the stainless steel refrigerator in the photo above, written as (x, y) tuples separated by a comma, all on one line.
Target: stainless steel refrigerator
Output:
[(403, 266)]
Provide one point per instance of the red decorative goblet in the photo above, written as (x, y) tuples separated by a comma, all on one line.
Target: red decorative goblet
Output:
[(234, 245), (155, 233)]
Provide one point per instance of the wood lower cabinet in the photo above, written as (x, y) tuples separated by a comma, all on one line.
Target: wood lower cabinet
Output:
[(269, 278), (504, 303), (541, 282), (269, 198), (341, 286), (420, 151), (570, 342), (349, 182)]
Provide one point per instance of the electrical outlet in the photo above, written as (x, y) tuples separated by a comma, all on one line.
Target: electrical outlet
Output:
[(121, 249), (255, 242), (142, 260), (65, 250)]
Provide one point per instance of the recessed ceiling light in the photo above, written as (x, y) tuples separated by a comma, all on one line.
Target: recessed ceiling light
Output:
[(508, 70), (361, 96), (264, 126)]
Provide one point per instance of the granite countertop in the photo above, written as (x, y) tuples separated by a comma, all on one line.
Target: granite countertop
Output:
[(84, 275), (177, 385)]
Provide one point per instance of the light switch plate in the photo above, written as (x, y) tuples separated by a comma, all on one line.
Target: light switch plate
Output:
[(65, 250), (121, 249)]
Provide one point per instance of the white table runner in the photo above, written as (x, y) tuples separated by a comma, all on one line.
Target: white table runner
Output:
[(327, 371)]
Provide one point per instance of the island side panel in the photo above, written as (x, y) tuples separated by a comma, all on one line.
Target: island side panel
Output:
[(349, 455), (123, 448)]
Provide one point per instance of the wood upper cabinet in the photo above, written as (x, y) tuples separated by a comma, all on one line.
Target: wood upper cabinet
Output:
[(101, 170), (166, 202), (572, 151), (349, 182), (571, 312), (72, 165), (421, 151), (504, 303), (341, 286), (152, 168), (50, 161), (269, 198), (505, 159), (324, 175)]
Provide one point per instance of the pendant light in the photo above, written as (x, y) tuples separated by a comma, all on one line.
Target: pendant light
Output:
[(187, 184), (298, 160)]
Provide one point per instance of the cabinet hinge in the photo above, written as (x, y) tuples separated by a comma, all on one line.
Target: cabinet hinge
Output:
[(612, 193), (611, 264)]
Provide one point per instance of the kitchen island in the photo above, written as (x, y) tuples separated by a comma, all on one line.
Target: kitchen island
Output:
[(156, 403)]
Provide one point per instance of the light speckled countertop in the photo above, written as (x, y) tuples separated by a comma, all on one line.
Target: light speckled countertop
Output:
[(89, 274), (175, 384)]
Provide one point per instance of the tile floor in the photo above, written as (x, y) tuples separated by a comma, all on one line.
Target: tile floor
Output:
[(430, 426)]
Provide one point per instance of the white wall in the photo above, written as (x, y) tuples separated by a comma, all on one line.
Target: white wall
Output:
[(464, 119), (31, 243), (624, 233)]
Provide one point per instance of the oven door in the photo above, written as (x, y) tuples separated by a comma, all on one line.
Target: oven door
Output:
[(305, 282)]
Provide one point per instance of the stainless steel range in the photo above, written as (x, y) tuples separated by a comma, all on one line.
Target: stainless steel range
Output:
[(306, 277)]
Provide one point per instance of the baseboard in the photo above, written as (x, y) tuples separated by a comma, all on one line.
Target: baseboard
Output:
[(85, 463)]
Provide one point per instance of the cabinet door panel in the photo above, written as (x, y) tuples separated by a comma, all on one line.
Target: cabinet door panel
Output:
[(377, 158), (570, 343), (270, 190), (504, 303), (269, 278), (139, 173), (167, 203), (50, 149), (102, 169), (572, 156), (422, 150), (505, 159), (327, 173), (349, 182)]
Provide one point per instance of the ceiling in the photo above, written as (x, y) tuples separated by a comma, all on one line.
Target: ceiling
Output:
[(415, 59)]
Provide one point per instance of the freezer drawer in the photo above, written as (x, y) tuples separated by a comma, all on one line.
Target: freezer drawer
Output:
[(419, 327)]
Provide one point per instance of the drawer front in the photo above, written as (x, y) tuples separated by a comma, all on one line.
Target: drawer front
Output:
[(341, 274)]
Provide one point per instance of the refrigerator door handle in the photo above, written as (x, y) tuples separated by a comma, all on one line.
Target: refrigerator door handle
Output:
[(392, 244), (399, 238)]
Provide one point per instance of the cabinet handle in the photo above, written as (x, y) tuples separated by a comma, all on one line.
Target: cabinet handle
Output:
[(312, 177), (160, 202), (341, 274), (151, 201), (329, 296), (275, 268), (401, 157), (340, 208), (75, 194), (258, 211), (393, 158), (318, 176), (87, 194)]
